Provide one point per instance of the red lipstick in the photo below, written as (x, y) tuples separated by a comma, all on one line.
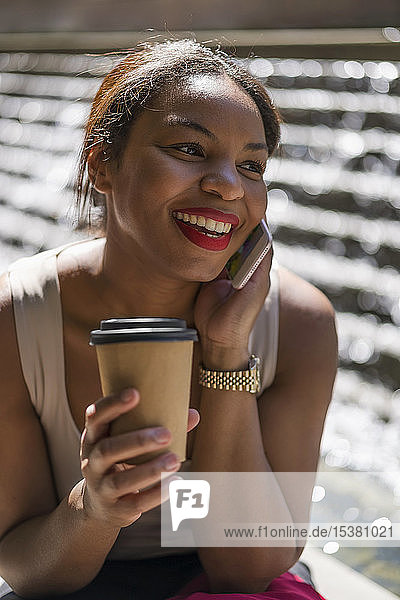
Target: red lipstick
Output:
[(200, 235), (203, 240)]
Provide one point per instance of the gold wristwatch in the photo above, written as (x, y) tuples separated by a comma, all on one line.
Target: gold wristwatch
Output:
[(240, 381)]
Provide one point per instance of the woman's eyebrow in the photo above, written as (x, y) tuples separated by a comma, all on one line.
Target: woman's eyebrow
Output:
[(256, 146), (177, 121)]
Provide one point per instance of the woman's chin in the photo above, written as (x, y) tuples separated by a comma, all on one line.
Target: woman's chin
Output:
[(201, 276), (212, 277)]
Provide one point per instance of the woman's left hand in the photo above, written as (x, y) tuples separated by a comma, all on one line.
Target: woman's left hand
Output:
[(224, 317)]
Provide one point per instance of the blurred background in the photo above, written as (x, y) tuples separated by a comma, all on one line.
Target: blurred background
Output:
[(333, 70)]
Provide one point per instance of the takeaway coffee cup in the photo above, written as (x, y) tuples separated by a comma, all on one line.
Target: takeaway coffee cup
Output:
[(153, 355)]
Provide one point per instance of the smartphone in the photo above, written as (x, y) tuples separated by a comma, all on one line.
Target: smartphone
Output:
[(244, 262)]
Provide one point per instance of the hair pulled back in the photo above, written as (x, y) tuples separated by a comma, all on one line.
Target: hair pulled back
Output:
[(134, 83)]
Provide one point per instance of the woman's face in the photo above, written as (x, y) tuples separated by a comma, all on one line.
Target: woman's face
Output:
[(189, 188)]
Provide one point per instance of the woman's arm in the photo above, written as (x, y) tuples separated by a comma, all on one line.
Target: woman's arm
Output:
[(43, 547), (50, 548), (281, 433)]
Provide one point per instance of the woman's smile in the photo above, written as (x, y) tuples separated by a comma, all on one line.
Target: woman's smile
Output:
[(190, 187), (208, 228)]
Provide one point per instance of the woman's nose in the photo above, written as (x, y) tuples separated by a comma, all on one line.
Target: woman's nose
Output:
[(225, 183)]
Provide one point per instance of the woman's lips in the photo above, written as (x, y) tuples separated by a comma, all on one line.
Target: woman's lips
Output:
[(206, 227), (202, 239), (212, 213)]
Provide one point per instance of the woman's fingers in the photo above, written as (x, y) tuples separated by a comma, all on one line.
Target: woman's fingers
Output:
[(133, 505), (120, 483), (112, 492), (120, 448), (100, 414)]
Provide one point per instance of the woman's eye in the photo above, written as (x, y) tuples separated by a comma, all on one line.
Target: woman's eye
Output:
[(254, 166), (189, 149)]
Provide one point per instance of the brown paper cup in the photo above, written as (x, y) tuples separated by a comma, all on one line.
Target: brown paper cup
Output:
[(160, 369)]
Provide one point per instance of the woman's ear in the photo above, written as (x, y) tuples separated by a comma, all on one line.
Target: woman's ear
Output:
[(99, 170)]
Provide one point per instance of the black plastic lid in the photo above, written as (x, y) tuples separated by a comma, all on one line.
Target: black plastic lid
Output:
[(140, 322), (143, 334)]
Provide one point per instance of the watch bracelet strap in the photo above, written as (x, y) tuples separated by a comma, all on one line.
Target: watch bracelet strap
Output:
[(241, 381)]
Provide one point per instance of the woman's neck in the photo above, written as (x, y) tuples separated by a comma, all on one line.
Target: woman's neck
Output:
[(130, 286)]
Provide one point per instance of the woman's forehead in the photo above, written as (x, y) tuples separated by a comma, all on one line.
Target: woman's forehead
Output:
[(213, 98)]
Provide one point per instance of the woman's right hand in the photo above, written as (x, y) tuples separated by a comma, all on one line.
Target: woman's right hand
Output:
[(112, 488)]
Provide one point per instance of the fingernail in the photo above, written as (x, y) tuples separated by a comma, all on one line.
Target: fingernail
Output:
[(161, 435), (91, 409), (170, 462), (128, 395)]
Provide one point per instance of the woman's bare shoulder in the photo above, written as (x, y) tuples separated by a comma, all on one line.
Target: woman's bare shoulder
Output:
[(9, 355), (300, 299), (307, 332)]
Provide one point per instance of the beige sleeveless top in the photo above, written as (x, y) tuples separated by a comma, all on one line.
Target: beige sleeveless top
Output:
[(39, 324)]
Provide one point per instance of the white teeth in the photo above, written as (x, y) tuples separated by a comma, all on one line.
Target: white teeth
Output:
[(209, 224), (210, 235)]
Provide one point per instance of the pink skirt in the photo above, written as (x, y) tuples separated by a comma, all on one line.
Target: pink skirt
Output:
[(284, 587)]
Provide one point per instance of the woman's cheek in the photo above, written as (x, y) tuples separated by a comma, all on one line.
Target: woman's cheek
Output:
[(257, 205)]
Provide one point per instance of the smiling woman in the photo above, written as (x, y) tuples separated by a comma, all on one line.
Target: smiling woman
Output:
[(136, 82), (202, 139), (175, 147)]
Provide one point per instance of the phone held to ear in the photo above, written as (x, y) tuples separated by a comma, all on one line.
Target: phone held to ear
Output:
[(244, 262)]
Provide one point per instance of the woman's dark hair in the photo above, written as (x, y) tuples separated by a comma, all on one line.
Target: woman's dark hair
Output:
[(134, 83)]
